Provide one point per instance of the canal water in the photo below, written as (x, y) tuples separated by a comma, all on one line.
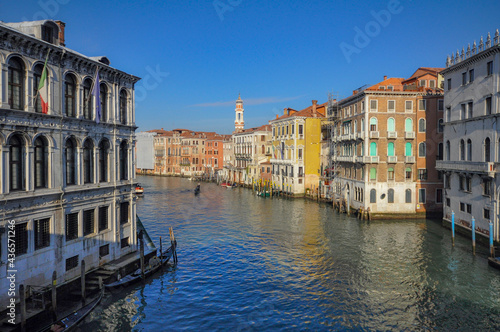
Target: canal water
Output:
[(248, 263)]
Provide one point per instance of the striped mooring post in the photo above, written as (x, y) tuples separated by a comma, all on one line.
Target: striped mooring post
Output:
[(492, 248), (453, 228), (473, 235)]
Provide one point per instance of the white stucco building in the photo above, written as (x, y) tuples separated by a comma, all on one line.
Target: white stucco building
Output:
[(472, 136), (66, 180)]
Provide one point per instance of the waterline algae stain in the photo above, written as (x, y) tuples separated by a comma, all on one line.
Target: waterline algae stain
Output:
[(251, 264)]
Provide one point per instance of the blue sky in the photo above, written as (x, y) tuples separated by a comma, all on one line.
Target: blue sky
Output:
[(196, 56)]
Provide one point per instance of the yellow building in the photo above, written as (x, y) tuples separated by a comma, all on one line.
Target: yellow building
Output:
[(296, 144)]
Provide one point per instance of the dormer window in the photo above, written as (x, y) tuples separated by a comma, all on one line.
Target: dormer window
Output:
[(48, 34)]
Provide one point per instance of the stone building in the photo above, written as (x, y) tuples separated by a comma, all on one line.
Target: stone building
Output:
[(66, 173), (472, 136), (251, 148), (386, 141), (296, 149)]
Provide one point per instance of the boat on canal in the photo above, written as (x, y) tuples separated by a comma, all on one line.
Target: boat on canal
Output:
[(154, 265), (494, 261), (139, 190), (263, 193), (197, 189), (69, 322)]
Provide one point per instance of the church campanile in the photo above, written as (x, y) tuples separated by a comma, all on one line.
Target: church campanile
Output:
[(239, 124)]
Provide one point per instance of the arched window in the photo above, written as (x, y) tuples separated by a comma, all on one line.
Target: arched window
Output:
[(462, 149), (469, 150), (362, 124), (408, 124), (447, 150), (440, 151), (408, 174), (104, 97), (16, 84), (391, 124), (373, 196), (123, 107), (408, 195), (421, 150), (88, 161), (373, 174), (123, 160), (70, 156), (37, 75), (440, 126), (87, 100), (421, 125), (390, 173), (373, 124), (41, 165), (408, 149), (487, 152), (69, 96), (355, 129), (390, 196), (16, 163), (373, 149), (390, 149)]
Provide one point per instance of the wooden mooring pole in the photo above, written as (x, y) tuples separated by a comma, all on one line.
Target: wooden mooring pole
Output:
[(83, 280), (141, 244), (161, 253), (54, 293), (22, 304)]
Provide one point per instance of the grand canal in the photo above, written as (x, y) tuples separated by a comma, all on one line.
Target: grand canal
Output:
[(248, 263)]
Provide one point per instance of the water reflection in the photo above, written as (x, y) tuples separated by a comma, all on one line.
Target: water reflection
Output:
[(248, 263)]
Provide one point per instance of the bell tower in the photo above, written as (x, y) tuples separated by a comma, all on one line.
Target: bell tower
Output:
[(239, 124)]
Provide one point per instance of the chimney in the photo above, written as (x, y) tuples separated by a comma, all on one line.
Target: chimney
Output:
[(315, 102), (285, 111), (354, 92), (61, 25), (161, 128), (385, 77), (277, 116)]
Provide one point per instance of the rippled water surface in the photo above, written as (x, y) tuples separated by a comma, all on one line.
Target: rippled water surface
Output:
[(249, 263)]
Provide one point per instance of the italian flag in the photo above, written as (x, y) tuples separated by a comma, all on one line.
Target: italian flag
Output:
[(43, 88)]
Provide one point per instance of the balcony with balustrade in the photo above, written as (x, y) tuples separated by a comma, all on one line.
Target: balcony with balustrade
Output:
[(489, 168), (409, 135)]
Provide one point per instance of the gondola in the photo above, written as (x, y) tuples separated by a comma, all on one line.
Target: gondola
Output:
[(197, 190), (153, 266), (494, 261), (69, 322)]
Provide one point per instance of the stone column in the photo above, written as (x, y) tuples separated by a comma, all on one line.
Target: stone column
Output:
[(29, 99), (29, 169), (4, 102), (4, 189)]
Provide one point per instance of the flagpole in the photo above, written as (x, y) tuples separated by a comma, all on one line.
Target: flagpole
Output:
[(93, 83), (37, 89)]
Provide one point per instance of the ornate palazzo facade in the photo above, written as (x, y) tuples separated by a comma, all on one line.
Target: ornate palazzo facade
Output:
[(66, 179)]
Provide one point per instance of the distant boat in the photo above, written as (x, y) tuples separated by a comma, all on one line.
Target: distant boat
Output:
[(197, 190), (69, 322), (139, 190), (263, 193)]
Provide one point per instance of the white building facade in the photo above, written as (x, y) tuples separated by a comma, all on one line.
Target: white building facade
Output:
[(66, 181), (472, 136)]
